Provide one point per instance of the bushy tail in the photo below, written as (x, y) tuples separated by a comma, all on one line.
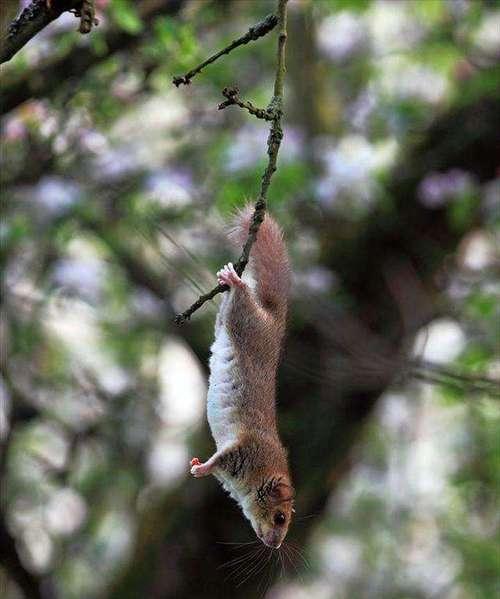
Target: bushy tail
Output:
[(269, 263)]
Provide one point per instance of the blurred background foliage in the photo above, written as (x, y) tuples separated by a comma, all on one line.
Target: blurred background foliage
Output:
[(116, 189)]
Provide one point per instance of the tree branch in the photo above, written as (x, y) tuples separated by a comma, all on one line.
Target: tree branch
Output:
[(259, 30), (273, 146), (35, 17), (233, 99), (49, 76)]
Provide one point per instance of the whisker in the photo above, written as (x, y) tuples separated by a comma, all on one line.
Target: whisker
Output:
[(266, 581), (248, 569), (293, 556), (259, 565), (239, 544), (242, 564), (300, 518), (239, 559), (236, 560), (277, 564), (288, 556), (297, 566), (300, 554), (282, 565)]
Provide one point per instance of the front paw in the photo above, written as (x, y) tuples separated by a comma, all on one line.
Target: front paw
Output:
[(228, 276)]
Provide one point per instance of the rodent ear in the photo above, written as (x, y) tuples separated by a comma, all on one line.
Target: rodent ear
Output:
[(281, 492)]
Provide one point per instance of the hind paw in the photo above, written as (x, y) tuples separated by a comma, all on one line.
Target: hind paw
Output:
[(198, 469), (228, 276)]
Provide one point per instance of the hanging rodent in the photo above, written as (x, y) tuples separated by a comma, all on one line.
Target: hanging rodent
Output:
[(250, 461)]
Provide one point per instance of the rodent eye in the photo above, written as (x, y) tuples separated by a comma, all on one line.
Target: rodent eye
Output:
[(279, 518)]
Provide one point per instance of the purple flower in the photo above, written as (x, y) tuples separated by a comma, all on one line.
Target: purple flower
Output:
[(437, 189), (341, 35), (55, 195), (83, 277), (170, 188)]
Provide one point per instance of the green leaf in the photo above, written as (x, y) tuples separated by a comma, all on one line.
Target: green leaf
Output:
[(483, 305), (125, 15), (430, 11), (354, 5), (165, 32), (461, 211)]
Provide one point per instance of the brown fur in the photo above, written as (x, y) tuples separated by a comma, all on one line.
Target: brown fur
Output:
[(268, 260), (255, 468)]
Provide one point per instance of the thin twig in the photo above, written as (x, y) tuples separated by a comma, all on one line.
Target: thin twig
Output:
[(233, 99), (273, 146), (259, 30)]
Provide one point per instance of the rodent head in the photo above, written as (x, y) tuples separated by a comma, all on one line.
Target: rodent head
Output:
[(270, 510)]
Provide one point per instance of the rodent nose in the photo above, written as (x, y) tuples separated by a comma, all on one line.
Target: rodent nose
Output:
[(271, 541)]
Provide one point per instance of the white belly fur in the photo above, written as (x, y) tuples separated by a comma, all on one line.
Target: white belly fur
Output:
[(222, 395), (221, 405)]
